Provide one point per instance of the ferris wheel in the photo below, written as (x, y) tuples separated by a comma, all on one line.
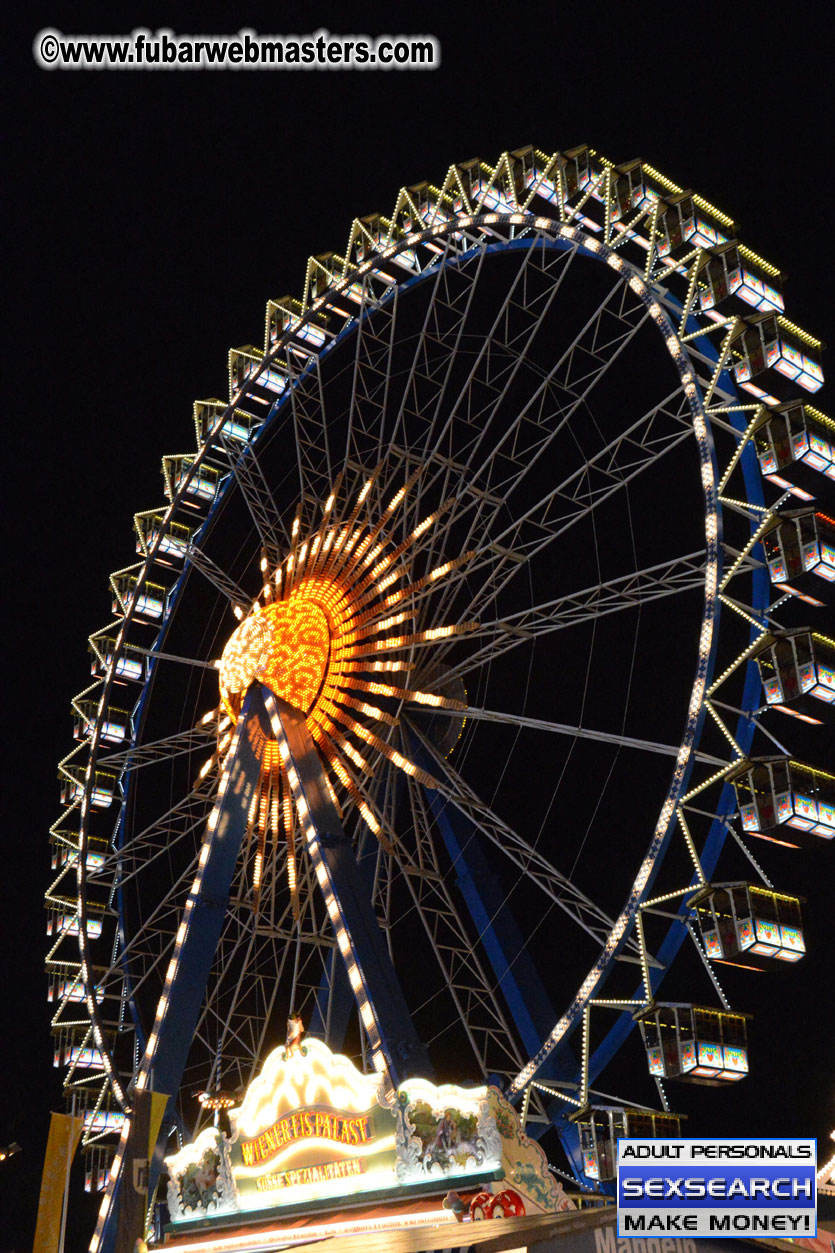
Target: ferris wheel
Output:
[(431, 698)]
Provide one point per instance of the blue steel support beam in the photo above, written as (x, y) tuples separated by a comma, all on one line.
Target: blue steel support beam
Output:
[(513, 967), (333, 1005), (334, 1002), (394, 1041), (178, 1011)]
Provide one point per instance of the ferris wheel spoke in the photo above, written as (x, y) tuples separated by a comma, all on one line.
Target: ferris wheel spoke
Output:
[(255, 490), (158, 654), (529, 434), (532, 534), (618, 595), (371, 377), (310, 433), (158, 927), (195, 738), (218, 577), (184, 818), (593, 482), (215, 1031), (497, 376), (434, 356), (365, 446), (577, 732), (472, 989), (221, 1003), (525, 857), (129, 865), (152, 966)]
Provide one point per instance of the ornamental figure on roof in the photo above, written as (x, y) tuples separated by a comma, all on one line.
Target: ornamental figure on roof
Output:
[(295, 1031)]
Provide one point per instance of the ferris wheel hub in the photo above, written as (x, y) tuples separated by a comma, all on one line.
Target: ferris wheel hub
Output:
[(285, 645)]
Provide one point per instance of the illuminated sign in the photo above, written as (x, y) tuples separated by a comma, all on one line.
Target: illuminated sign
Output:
[(311, 1174), (306, 1124), (314, 1128)]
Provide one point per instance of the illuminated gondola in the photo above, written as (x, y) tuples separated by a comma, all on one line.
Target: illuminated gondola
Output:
[(776, 353), (149, 600), (238, 426), (246, 375), (199, 487), (554, 181), (286, 315), (785, 801), (130, 660), (602, 1125), (115, 723), (695, 1044), (629, 189), (800, 552), (795, 446), (797, 669), (685, 225), (65, 849), (749, 924), (732, 275), (172, 540), (476, 179), (102, 791)]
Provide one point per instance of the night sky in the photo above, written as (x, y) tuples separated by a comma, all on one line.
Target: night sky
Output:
[(150, 217)]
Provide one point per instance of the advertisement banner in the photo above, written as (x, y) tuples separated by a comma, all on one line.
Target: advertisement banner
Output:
[(716, 1188)]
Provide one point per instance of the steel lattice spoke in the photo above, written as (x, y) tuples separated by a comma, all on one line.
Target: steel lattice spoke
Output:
[(627, 592), (563, 728), (217, 577), (192, 740), (532, 863)]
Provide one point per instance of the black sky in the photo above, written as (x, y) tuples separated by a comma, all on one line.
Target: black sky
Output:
[(150, 217)]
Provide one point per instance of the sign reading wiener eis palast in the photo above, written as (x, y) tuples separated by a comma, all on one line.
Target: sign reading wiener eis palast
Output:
[(312, 1127)]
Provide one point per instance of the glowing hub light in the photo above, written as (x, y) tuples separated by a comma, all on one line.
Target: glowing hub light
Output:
[(285, 645), (310, 637)]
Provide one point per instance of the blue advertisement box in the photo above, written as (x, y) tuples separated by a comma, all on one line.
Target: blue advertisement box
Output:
[(717, 1188)]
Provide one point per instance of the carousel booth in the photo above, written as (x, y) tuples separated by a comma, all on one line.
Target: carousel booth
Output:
[(785, 801), (796, 449), (797, 669), (318, 1148), (601, 1126), (749, 925), (695, 1044), (800, 552)]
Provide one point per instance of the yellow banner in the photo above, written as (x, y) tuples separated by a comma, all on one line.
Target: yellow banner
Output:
[(64, 1134), (159, 1100)]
